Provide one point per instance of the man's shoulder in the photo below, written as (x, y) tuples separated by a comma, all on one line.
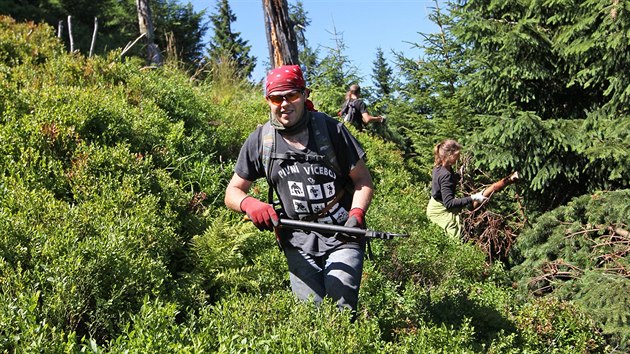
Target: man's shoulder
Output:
[(260, 129), (255, 138), (322, 115), (329, 121)]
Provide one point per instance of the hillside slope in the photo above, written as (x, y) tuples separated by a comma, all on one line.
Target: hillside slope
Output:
[(116, 238)]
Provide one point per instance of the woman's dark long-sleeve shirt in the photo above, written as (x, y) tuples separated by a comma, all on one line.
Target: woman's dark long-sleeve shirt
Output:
[(443, 186)]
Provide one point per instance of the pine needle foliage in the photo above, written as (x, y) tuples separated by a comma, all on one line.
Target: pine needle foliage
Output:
[(592, 37), (227, 45), (558, 159), (579, 252), (513, 59), (332, 77)]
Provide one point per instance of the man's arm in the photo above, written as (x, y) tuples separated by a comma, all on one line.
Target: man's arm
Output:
[(363, 187), (236, 191), (368, 118), (365, 115), (260, 213)]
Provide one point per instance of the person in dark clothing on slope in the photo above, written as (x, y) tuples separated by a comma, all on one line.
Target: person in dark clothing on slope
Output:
[(361, 116), (308, 188), (443, 208)]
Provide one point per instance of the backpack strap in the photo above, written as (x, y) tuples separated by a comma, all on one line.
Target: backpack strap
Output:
[(330, 204), (322, 140), (268, 138), (344, 108)]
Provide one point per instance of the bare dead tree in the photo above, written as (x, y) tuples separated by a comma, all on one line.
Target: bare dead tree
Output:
[(268, 35), (94, 36), (70, 34), (59, 28), (281, 38), (153, 55)]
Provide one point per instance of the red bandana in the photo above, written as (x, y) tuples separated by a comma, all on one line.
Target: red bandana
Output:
[(284, 78)]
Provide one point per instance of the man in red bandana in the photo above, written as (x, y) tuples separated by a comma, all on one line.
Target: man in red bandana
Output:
[(309, 187)]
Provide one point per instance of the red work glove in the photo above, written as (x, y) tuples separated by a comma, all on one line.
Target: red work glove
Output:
[(356, 218), (263, 215)]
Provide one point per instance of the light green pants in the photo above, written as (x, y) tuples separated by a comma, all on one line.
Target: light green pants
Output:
[(447, 220)]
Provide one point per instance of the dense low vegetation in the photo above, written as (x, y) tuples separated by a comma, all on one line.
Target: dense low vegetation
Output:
[(115, 237)]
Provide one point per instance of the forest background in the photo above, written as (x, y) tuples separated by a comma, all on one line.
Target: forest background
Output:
[(115, 237)]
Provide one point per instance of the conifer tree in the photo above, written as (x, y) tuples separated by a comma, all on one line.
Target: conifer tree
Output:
[(227, 45), (382, 74), (186, 27), (429, 103), (557, 72), (334, 74), (541, 57)]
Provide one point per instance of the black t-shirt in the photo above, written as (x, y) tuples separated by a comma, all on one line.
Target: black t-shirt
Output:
[(304, 186), (359, 108), (443, 186)]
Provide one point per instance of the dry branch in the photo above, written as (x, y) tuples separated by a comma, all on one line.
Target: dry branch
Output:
[(94, 36)]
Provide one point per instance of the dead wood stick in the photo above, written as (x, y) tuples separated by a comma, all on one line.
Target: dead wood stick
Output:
[(498, 186), (70, 34), (94, 36)]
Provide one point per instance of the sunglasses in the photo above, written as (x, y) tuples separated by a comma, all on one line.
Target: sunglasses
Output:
[(277, 100)]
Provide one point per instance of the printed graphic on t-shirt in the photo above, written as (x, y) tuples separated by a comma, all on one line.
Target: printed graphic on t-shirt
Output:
[(314, 191), (300, 206), (317, 207), (326, 220), (341, 215), (329, 189), (296, 189), (308, 188)]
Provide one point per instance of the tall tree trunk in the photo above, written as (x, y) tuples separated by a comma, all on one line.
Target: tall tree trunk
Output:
[(281, 38), (145, 21)]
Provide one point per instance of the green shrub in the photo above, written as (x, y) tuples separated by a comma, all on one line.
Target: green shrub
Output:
[(278, 323), (553, 326), (430, 257), (157, 328), (91, 262), (430, 338), (23, 329), (26, 43)]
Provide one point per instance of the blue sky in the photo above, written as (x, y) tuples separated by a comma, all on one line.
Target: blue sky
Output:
[(364, 26)]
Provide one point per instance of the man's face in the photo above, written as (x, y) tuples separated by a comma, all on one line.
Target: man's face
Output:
[(287, 106)]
